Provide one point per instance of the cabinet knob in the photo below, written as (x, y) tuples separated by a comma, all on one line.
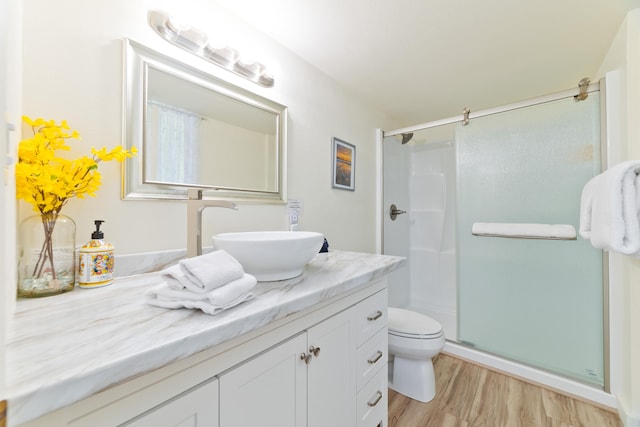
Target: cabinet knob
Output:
[(314, 350), (306, 357)]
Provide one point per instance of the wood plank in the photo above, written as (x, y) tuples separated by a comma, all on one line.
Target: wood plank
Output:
[(3, 413), (470, 395)]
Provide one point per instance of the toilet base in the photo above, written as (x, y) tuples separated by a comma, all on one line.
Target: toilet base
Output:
[(413, 378)]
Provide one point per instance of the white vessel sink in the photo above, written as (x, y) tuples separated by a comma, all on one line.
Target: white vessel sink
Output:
[(271, 255)]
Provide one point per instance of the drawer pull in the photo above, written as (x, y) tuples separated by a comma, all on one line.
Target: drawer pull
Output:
[(376, 400), (375, 358), (375, 316)]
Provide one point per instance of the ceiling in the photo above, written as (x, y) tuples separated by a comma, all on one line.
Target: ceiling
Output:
[(422, 60)]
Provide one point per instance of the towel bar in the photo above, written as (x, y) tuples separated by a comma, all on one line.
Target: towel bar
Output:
[(524, 237), (524, 231)]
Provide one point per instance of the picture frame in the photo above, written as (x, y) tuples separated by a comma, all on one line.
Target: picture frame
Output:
[(344, 165)]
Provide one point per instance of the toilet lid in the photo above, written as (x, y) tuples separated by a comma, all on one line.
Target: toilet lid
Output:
[(409, 322)]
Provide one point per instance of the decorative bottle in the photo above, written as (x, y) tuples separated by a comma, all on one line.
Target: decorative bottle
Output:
[(96, 260)]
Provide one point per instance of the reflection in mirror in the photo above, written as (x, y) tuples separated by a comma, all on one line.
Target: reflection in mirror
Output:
[(198, 131), (200, 137)]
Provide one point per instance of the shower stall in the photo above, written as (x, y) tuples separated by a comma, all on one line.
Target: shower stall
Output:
[(534, 299)]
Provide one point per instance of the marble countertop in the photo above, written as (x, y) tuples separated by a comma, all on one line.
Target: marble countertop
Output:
[(65, 348)]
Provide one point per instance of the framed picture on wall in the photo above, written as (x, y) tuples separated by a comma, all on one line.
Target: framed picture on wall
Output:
[(344, 165)]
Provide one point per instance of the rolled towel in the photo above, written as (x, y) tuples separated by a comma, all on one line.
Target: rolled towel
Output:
[(524, 230), (209, 271), (212, 302), (610, 207)]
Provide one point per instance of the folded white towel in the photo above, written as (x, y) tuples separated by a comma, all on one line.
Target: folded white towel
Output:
[(610, 207), (176, 279), (523, 230), (204, 273), (212, 302)]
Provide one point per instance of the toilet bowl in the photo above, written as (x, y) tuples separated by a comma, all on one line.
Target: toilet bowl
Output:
[(414, 339)]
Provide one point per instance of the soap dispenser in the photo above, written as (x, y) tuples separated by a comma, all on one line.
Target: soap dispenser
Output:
[(96, 261)]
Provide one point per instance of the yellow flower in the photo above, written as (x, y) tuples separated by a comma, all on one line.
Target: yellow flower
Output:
[(48, 181)]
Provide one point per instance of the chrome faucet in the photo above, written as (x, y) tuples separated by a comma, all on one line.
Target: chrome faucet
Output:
[(195, 206)]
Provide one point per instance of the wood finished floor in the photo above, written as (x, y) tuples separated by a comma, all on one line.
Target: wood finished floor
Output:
[(469, 395)]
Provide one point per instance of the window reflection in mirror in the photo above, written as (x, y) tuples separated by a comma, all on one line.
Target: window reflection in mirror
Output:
[(196, 130)]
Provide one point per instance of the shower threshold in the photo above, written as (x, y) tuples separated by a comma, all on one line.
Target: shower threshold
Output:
[(533, 375)]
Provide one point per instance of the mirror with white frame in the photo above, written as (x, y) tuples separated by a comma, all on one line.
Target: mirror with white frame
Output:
[(195, 130)]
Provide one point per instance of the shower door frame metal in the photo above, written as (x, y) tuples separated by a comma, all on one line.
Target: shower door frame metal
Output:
[(594, 87), (469, 115)]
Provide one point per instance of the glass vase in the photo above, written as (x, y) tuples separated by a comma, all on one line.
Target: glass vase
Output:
[(46, 264)]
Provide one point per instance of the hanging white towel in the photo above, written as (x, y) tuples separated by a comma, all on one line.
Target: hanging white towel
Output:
[(204, 273), (524, 230), (610, 209), (212, 302)]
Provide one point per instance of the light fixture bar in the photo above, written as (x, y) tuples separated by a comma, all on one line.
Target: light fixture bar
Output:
[(196, 42)]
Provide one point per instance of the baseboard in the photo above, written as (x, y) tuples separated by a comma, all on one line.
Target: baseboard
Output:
[(627, 419)]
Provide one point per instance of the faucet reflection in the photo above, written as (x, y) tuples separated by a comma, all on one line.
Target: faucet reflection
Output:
[(195, 206)]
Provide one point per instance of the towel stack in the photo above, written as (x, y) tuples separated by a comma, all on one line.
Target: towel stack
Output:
[(212, 283), (610, 207)]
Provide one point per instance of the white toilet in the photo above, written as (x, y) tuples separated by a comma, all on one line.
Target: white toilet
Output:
[(414, 339)]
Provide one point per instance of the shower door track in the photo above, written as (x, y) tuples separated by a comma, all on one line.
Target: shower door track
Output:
[(594, 87)]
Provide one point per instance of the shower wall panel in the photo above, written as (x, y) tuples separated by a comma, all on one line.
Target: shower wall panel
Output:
[(534, 301), (396, 233), (432, 220)]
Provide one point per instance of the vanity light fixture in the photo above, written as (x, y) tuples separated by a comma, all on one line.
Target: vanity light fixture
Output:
[(196, 41)]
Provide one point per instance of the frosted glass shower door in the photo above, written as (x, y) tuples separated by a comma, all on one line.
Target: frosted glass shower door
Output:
[(534, 301)]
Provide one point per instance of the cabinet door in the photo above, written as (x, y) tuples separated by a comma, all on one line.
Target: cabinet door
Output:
[(331, 374), (267, 391), (197, 407)]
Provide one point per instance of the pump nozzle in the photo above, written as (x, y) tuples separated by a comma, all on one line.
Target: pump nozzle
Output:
[(97, 235)]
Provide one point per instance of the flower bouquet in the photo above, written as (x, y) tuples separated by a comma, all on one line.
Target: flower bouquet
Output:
[(47, 181)]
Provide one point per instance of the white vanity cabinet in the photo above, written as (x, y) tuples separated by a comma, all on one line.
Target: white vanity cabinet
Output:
[(195, 408), (269, 390), (187, 399), (312, 379), (371, 361), (322, 367), (305, 381), (331, 381)]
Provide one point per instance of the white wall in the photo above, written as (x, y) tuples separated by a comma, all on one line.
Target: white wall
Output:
[(10, 94), (624, 58), (72, 70), (4, 309)]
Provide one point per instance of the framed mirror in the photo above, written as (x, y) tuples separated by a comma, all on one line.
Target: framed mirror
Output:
[(195, 130)]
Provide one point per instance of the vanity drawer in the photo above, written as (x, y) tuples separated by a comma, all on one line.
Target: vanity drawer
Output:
[(372, 356), (372, 402), (371, 316)]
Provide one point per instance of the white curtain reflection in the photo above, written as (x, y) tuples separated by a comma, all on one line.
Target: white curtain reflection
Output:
[(175, 133)]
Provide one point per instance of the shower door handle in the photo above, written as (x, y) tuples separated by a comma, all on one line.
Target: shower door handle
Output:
[(394, 212)]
